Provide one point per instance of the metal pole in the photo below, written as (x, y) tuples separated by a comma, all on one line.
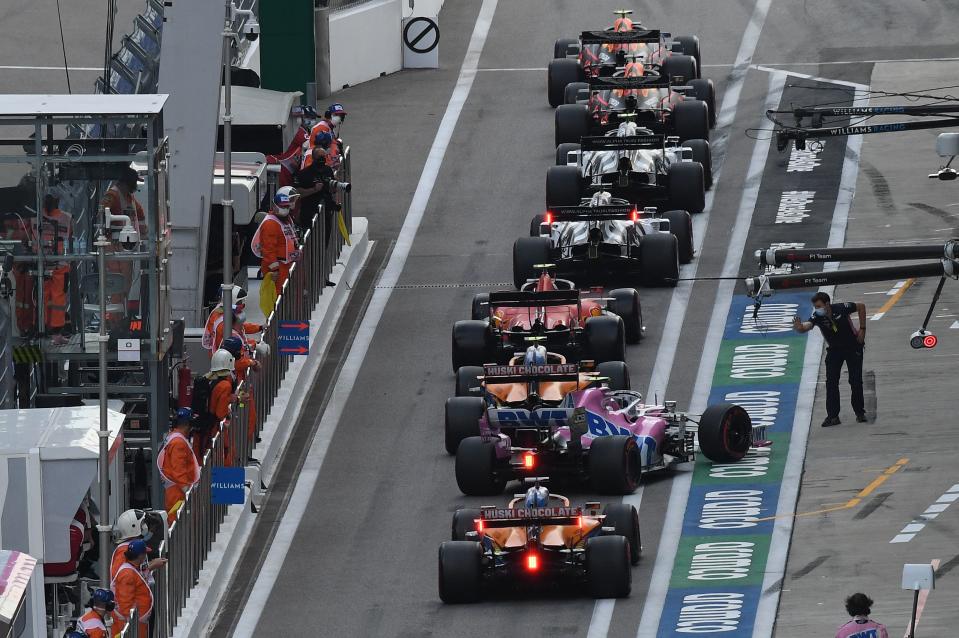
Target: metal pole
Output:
[(915, 606), (104, 526), (227, 172)]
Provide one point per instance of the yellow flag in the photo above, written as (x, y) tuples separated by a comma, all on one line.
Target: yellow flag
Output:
[(341, 222), (268, 293)]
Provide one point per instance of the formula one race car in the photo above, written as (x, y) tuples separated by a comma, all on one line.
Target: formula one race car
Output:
[(605, 239), (633, 164), (530, 380), (555, 314), (649, 100), (602, 436), (540, 539)]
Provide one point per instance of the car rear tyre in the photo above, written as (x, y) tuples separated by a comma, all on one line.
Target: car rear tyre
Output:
[(604, 339), (528, 252), (464, 520), (625, 520), (563, 186), (572, 123), (571, 95), (563, 151), (480, 307), (467, 379), (705, 91), (616, 373), (624, 302), (659, 259), (725, 433), (560, 73), (703, 154), (535, 224), (687, 188), (690, 46), (608, 573), (561, 47), (691, 120), (681, 227), (472, 343), (460, 570), (679, 65), (614, 464), (462, 420), (475, 462)]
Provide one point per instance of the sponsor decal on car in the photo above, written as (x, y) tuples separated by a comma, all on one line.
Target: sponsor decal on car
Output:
[(508, 513), (530, 370)]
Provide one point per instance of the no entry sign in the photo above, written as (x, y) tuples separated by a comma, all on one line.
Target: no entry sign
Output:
[(421, 35)]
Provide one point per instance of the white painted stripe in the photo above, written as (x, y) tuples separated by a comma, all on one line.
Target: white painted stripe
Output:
[(903, 538), (954, 488), (306, 482), (805, 76), (877, 316), (892, 291), (48, 68), (938, 507), (947, 498), (792, 473), (913, 528), (929, 517)]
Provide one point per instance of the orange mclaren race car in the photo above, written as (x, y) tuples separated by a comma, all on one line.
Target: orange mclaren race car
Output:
[(550, 312), (540, 539)]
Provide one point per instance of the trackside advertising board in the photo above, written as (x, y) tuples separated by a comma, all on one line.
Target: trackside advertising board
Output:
[(719, 567)]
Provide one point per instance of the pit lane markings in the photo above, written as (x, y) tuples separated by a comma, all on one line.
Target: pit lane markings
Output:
[(917, 524), (854, 501), (897, 292), (806, 76)]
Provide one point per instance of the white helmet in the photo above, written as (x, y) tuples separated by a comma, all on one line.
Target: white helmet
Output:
[(222, 361), (284, 200), (130, 524)]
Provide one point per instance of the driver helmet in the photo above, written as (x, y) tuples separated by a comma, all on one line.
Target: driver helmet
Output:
[(537, 496), (535, 356), (103, 598), (284, 200)]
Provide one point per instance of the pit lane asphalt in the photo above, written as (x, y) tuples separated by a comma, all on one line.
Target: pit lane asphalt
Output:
[(363, 560)]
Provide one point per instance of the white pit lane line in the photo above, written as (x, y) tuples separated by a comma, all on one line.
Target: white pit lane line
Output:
[(942, 503), (305, 484)]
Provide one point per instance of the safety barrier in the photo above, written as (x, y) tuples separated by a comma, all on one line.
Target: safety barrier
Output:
[(192, 534), (132, 628)]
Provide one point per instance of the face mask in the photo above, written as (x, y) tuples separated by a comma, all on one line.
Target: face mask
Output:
[(241, 317), (819, 312), (147, 535), (308, 124), (336, 119)]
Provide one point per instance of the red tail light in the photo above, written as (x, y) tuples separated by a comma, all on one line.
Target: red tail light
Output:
[(479, 525), (634, 217), (579, 522), (532, 562), (548, 218), (529, 460)]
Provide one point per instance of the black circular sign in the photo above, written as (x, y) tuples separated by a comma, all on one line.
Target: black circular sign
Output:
[(418, 29)]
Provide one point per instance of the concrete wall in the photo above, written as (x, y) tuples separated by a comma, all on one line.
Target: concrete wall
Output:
[(364, 42)]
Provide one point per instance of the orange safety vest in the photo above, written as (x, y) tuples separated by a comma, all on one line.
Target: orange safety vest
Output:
[(56, 232), (161, 460), (91, 624), (307, 149), (122, 610), (289, 232)]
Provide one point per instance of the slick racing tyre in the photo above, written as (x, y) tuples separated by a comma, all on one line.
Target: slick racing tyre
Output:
[(475, 465), (460, 571), (528, 252), (536, 224), (614, 464), (563, 186), (561, 47), (480, 307), (725, 433), (608, 573), (691, 120), (616, 373), (573, 93), (690, 46), (624, 302), (464, 520), (687, 189), (560, 73), (604, 339), (625, 520), (467, 381), (682, 66), (681, 227), (563, 151), (705, 91), (704, 155), (472, 343), (462, 420), (572, 123), (659, 259)]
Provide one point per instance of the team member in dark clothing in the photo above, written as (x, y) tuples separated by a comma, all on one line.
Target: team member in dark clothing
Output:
[(843, 326)]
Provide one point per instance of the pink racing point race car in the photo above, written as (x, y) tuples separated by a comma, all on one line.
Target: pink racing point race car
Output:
[(603, 437)]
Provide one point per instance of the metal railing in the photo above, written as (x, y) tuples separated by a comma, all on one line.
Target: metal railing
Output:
[(132, 628), (193, 532)]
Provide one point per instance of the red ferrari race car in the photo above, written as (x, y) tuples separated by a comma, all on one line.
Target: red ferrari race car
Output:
[(540, 540), (549, 312)]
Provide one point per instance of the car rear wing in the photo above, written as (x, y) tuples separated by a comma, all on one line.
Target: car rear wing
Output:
[(533, 298), (593, 213), (621, 37), (624, 83), (493, 517), (626, 143), (493, 373)]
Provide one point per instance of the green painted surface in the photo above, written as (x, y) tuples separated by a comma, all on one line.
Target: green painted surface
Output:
[(755, 362), (287, 51), (720, 561)]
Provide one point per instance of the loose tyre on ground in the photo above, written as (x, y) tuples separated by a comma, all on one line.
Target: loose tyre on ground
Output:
[(687, 188), (608, 573), (690, 46), (614, 464), (472, 343), (624, 302), (480, 308), (528, 252), (705, 91), (563, 186), (560, 73), (464, 520), (563, 151), (659, 259), (604, 339), (462, 420), (616, 373), (625, 520), (475, 462), (460, 569), (467, 380), (572, 94), (681, 226), (572, 123), (691, 120), (725, 433), (703, 154)]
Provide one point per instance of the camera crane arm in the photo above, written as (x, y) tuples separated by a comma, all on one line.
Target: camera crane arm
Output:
[(782, 256)]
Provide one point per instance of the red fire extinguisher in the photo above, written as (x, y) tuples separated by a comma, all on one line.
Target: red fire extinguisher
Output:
[(184, 386)]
